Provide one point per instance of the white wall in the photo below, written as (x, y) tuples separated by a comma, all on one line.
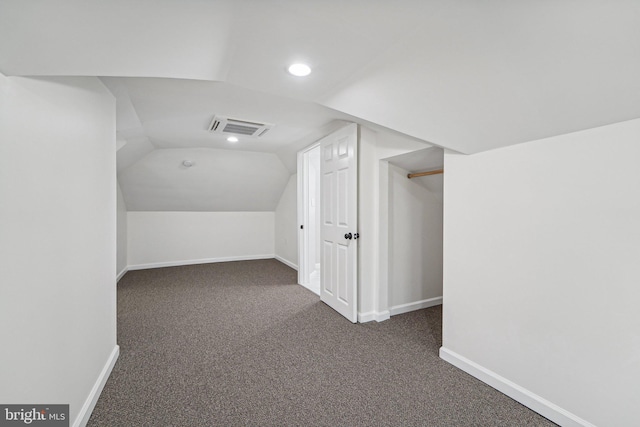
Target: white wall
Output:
[(121, 220), (218, 181), (541, 272), (57, 241), (286, 224), (415, 240), (372, 147), (174, 238), (314, 208)]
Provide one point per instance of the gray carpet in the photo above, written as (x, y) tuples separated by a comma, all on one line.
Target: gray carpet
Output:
[(239, 343)]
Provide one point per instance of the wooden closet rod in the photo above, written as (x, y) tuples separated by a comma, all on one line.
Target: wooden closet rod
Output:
[(417, 174)]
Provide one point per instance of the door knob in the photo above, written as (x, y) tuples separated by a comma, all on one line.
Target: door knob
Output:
[(348, 236)]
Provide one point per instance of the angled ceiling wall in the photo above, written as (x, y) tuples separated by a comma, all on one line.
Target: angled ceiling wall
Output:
[(162, 122), (218, 180), (463, 75), (187, 39)]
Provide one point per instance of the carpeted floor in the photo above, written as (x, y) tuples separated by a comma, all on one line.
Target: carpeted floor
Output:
[(240, 343)]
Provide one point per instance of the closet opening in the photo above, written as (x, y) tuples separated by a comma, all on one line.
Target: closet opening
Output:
[(309, 218), (411, 250)]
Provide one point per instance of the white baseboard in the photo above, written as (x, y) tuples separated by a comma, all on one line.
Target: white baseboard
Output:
[(83, 417), (531, 400), (197, 261), (122, 273), (286, 262), (373, 315), (366, 317), (413, 306)]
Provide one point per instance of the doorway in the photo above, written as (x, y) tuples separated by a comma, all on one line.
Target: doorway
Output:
[(328, 234), (309, 218), (411, 240)]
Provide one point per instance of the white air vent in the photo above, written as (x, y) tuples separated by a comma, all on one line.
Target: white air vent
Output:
[(222, 124)]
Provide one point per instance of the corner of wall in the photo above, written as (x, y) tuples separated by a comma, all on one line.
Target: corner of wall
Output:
[(286, 224)]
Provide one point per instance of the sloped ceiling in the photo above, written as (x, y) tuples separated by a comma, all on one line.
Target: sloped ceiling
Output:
[(164, 38), (175, 113), (486, 74), (164, 122), (218, 180), (427, 159), (461, 74)]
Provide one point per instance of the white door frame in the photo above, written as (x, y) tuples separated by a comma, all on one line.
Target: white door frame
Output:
[(303, 213)]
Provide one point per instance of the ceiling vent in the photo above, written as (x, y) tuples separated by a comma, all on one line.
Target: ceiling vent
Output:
[(222, 124)]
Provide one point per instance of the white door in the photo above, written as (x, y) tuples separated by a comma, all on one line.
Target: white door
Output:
[(339, 221)]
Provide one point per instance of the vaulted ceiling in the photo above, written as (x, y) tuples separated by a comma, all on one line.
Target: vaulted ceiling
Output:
[(460, 74)]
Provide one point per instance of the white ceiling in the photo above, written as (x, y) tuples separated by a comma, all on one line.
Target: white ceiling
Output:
[(175, 113), (149, 38), (461, 74), (427, 159), (218, 180)]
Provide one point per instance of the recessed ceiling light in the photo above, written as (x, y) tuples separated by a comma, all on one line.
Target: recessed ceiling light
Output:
[(232, 139), (187, 163), (299, 70)]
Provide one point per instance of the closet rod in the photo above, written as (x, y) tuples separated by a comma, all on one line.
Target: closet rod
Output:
[(417, 174)]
